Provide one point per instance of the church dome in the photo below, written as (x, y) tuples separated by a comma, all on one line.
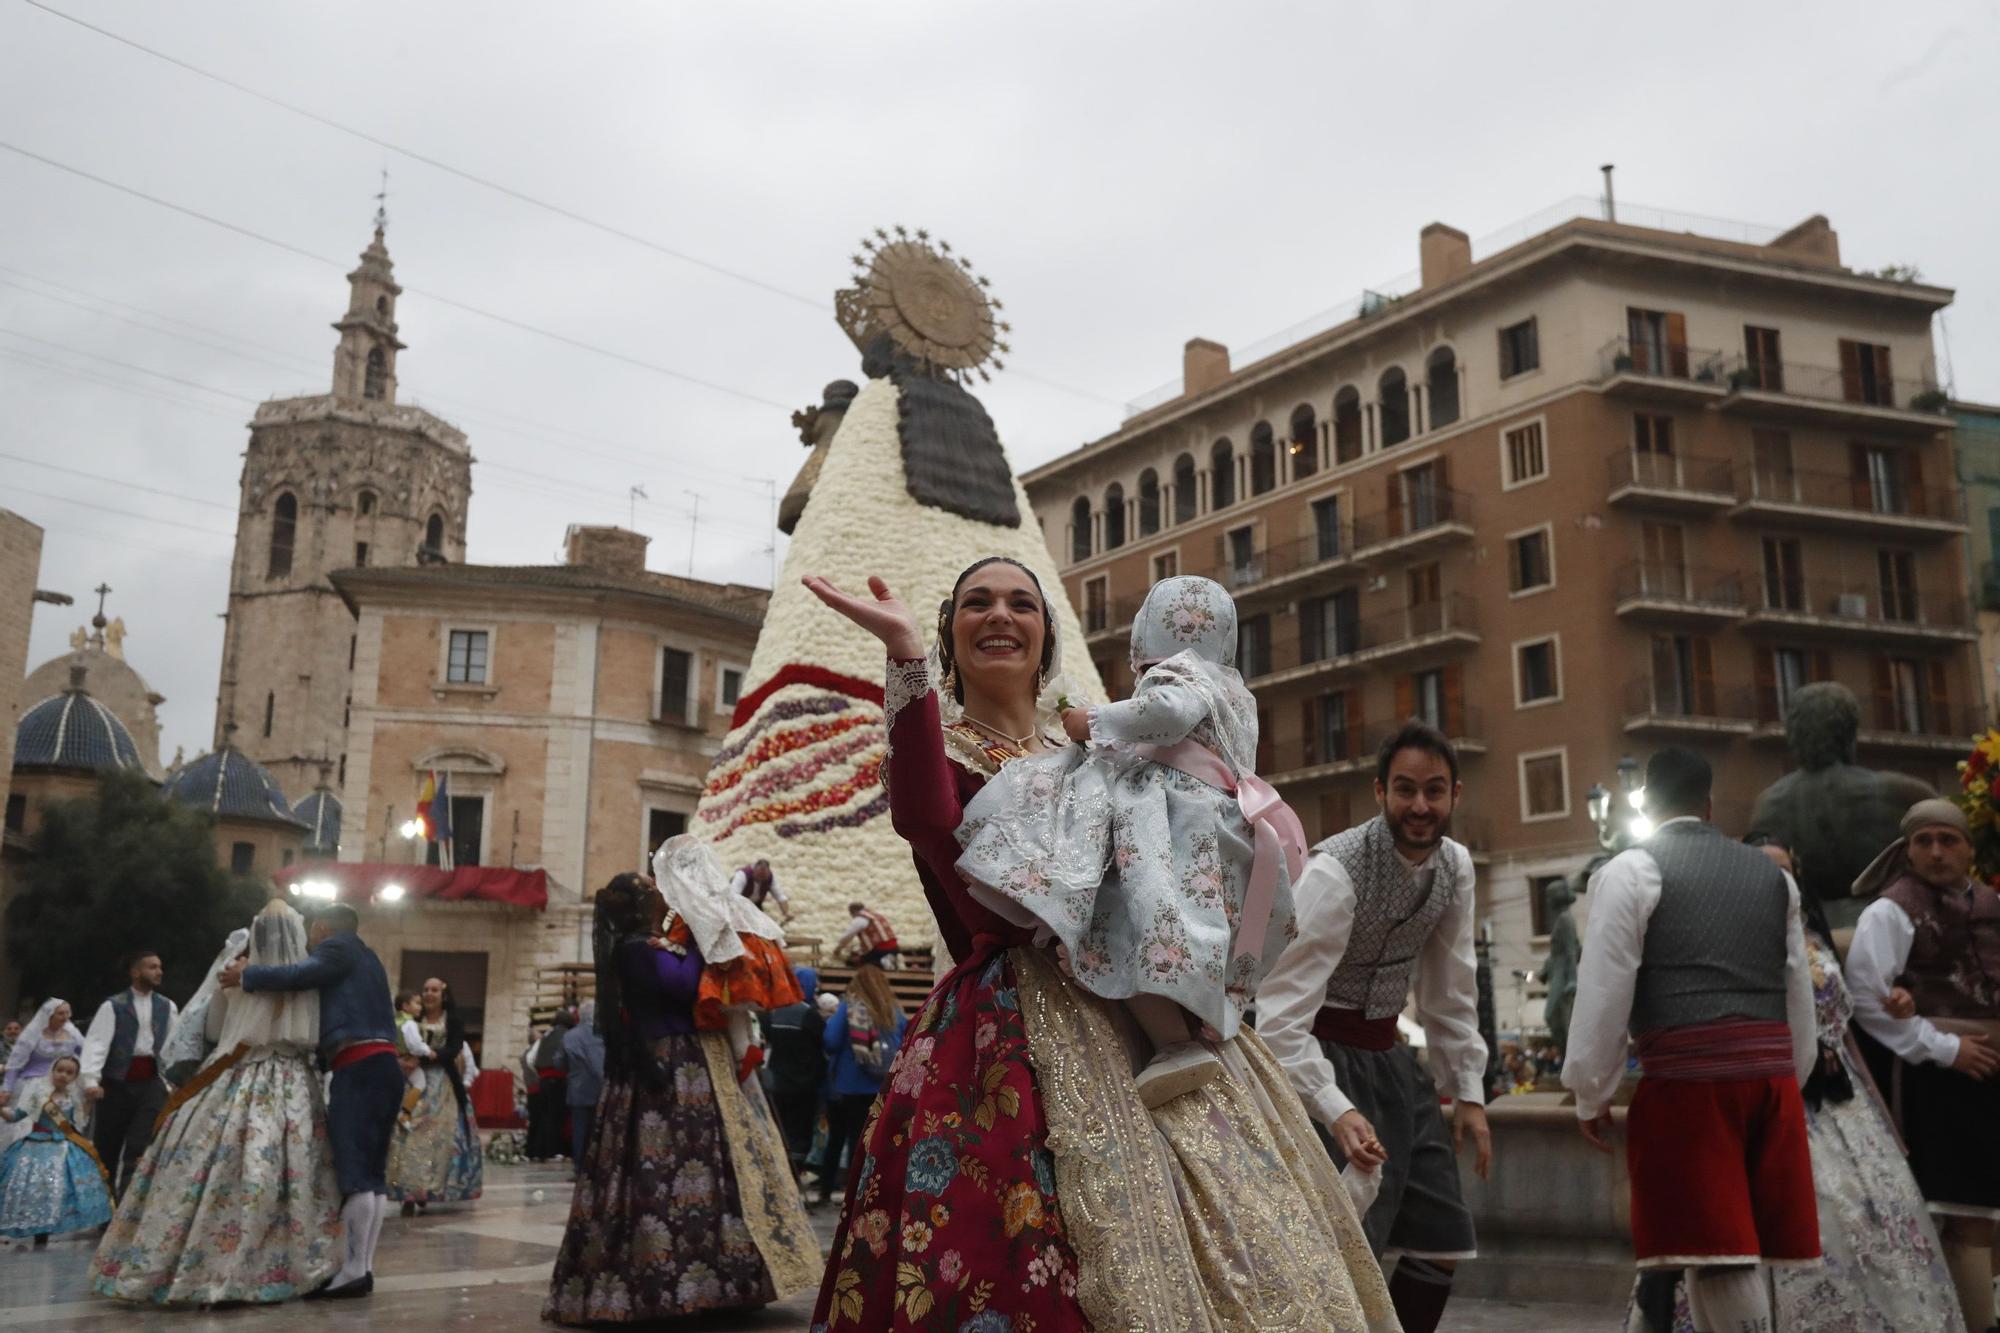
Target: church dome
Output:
[(73, 730), (231, 785), (320, 813), (114, 684)]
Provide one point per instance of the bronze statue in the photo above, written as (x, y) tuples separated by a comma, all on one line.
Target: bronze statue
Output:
[(1834, 814)]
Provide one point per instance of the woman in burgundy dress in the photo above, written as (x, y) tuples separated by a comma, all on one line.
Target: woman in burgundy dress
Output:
[(1009, 1179)]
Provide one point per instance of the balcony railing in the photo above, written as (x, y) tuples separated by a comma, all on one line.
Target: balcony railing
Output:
[(1939, 727), (1283, 559), (1846, 494), (1697, 704), (1370, 638), (1355, 747), (1424, 509), (1833, 385), (1663, 361), (1865, 605), (1694, 587), (1682, 474)]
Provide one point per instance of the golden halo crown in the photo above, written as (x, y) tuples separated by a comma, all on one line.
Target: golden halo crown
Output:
[(933, 303)]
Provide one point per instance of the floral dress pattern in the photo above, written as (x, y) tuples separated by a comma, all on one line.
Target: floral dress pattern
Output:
[(235, 1198), (51, 1182), (436, 1156), (1882, 1269)]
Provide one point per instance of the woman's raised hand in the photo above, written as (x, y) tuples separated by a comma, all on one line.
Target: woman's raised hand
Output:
[(883, 615)]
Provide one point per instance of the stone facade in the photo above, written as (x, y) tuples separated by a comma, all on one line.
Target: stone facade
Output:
[(561, 741), (330, 482)]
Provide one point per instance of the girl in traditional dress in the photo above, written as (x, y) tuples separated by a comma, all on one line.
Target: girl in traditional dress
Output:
[(48, 1037), (235, 1198), (1881, 1268), (436, 1155), (1156, 859), (1009, 1176), (684, 1197), (52, 1182)]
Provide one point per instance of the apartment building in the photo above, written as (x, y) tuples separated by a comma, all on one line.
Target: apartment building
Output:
[(1608, 488)]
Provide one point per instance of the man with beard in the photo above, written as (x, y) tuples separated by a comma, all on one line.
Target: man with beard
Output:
[(1382, 907)]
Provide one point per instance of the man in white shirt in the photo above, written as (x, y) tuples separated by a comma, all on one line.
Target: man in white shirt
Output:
[(1696, 946), (759, 883), (1935, 930), (1385, 910), (869, 938), (120, 1071)]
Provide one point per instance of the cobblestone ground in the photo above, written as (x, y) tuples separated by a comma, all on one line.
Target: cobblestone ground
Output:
[(487, 1263)]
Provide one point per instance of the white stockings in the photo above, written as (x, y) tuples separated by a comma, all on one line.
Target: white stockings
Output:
[(1729, 1300)]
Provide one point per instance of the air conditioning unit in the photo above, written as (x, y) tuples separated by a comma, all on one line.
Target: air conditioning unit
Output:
[(1853, 605)]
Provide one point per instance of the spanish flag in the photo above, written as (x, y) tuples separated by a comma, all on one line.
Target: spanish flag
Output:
[(434, 807)]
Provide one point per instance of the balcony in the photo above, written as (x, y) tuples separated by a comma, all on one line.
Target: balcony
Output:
[(1433, 629), (1936, 729), (1339, 751), (1105, 622), (1428, 518), (1840, 502), (1671, 483), (1691, 710), (1832, 397), (1663, 372), (1279, 565), (1833, 609), (1683, 595)]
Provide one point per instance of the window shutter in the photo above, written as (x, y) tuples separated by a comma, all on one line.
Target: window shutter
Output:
[(1309, 729), (1516, 557), (1534, 348), (1395, 517), (1767, 686), (1913, 483), (1406, 698), (1885, 388), (1937, 700), (1441, 469), (1885, 694), (1704, 677), (1353, 699), (1312, 632), (1862, 491), (1821, 665), (1454, 700), (1677, 343), (1850, 370)]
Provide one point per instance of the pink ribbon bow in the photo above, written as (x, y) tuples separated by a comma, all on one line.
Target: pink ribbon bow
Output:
[(1273, 824)]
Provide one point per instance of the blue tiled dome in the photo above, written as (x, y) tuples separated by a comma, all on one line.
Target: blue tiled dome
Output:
[(231, 785), (320, 813), (73, 730)]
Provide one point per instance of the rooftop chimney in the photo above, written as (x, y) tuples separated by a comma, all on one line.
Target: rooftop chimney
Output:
[(1204, 365), (617, 550), (1814, 239), (1447, 252)]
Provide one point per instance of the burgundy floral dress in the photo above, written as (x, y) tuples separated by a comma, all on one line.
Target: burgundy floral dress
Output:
[(951, 1220)]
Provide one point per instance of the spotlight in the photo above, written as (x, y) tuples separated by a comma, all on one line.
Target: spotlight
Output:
[(1637, 796), (390, 893), (412, 829), (317, 888), (1642, 828)]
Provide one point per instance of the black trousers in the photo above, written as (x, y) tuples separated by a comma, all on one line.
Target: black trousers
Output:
[(124, 1126), (844, 1118), (798, 1114)]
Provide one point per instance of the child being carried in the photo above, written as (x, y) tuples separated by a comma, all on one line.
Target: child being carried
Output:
[(1154, 856)]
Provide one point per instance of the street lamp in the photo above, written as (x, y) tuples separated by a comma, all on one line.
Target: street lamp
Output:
[(1598, 802)]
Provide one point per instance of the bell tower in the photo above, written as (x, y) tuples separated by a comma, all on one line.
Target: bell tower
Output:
[(330, 481)]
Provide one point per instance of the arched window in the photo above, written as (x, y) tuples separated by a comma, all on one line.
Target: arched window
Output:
[(1114, 517), (364, 503), (284, 531), (1079, 528), (382, 306), (1303, 441), (1347, 425), (1222, 474), (1395, 406), (434, 535), (1441, 386), (1263, 458), (376, 382), (1149, 502), (1185, 487)]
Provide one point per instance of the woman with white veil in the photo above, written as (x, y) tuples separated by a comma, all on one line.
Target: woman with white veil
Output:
[(47, 1038), (235, 1200)]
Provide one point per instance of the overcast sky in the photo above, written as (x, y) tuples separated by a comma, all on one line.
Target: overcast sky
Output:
[(1128, 176)]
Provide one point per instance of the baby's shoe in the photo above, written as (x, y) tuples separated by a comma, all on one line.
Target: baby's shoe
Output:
[(1175, 1070)]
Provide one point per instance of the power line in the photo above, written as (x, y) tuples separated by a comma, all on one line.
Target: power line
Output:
[(294, 367), (126, 365), (104, 381), (454, 303), (119, 481), (811, 302), (122, 513)]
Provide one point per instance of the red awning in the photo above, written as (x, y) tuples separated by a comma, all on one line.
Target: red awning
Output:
[(363, 882)]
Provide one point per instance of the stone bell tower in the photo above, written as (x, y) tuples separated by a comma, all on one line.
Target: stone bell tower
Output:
[(330, 481)]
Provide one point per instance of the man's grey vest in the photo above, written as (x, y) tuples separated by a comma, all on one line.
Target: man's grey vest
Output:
[(1395, 910), (125, 1017), (1715, 945)]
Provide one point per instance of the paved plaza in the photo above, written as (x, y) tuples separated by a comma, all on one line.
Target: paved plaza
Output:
[(488, 1264)]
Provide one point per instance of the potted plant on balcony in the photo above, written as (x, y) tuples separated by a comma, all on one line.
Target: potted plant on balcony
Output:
[(1743, 377), (1621, 363), (1930, 400)]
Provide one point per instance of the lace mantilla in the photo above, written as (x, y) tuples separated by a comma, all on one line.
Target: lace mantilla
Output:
[(772, 1209)]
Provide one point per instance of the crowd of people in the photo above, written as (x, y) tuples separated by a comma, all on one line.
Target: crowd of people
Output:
[(1079, 1126)]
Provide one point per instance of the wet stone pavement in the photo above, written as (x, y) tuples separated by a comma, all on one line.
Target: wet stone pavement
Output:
[(487, 1263)]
